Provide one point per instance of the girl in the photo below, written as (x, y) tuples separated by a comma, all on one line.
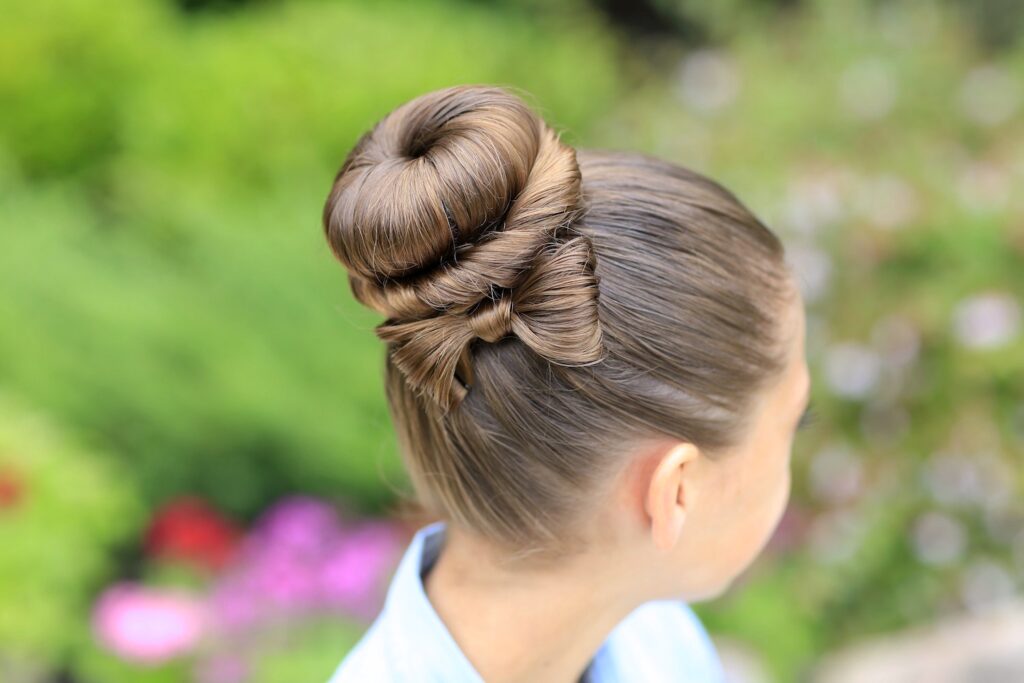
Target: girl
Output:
[(595, 367)]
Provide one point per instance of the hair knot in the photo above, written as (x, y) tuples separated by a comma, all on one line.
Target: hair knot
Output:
[(492, 320)]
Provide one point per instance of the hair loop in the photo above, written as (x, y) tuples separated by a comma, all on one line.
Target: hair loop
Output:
[(553, 312)]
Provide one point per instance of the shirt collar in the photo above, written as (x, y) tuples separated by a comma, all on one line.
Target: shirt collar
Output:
[(417, 631)]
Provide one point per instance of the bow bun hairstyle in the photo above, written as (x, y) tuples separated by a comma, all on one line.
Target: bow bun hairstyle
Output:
[(547, 308), (455, 219)]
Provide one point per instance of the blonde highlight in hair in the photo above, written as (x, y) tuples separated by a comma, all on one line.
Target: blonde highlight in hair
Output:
[(546, 307)]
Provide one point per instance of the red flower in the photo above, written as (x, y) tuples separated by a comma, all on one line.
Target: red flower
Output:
[(190, 530), (11, 488)]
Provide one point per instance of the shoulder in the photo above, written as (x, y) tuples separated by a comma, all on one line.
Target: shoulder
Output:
[(367, 660), (669, 633)]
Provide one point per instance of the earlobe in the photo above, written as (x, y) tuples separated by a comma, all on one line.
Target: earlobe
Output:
[(666, 532), (666, 501)]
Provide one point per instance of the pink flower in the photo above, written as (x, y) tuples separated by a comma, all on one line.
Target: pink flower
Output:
[(353, 574), (300, 559), (285, 582), (235, 604), (147, 625), (297, 525)]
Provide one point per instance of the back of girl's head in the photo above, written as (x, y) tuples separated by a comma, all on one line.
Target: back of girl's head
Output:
[(548, 309)]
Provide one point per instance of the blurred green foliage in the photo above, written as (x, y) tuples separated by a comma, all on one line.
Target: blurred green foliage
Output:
[(161, 187), (61, 511)]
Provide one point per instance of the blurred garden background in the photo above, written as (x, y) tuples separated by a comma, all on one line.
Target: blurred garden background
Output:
[(198, 479)]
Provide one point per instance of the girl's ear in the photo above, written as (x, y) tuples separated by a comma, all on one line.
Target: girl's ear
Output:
[(667, 498)]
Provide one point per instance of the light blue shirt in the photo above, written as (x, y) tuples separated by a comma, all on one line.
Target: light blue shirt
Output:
[(661, 640)]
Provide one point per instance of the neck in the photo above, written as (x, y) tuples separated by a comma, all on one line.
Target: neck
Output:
[(519, 625)]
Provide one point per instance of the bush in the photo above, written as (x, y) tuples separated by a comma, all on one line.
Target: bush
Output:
[(63, 510), (172, 292)]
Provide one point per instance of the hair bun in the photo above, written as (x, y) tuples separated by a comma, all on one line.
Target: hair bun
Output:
[(449, 200), (435, 172)]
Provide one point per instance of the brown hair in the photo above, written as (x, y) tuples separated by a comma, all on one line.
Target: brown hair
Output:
[(547, 308)]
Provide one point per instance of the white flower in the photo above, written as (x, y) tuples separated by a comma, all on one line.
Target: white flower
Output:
[(988, 320), (708, 80), (836, 474), (986, 583), (812, 268), (938, 539), (851, 370)]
